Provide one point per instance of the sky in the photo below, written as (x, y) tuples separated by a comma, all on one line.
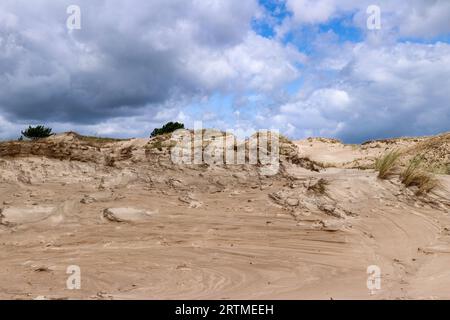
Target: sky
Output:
[(303, 67)]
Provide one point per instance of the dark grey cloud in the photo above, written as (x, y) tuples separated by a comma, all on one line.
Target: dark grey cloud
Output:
[(128, 55)]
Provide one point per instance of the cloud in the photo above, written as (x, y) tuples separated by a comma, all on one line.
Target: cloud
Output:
[(416, 18), (426, 19), (381, 92), (130, 56), (136, 64), (257, 63), (311, 11)]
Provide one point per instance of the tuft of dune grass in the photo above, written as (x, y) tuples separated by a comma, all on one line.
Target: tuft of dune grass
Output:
[(447, 168), (414, 175), (385, 165), (320, 187)]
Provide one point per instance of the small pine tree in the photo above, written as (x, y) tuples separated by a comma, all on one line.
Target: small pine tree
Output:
[(38, 132), (167, 128)]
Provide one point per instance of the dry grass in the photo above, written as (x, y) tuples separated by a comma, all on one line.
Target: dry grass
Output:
[(284, 139), (445, 169), (415, 176), (156, 145), (385, 165), (94, 140), (100, 140), (160, 142), (109, 161), (440, 169), (320, 187), (305, 162)]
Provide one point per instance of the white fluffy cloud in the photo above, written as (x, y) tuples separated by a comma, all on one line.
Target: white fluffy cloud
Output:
[(257, 63), (311, 11)]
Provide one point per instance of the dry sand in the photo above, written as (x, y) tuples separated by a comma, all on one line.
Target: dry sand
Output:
[(140, 227)]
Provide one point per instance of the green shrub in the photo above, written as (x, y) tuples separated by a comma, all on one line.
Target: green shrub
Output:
[(167, 128), (37, 132)]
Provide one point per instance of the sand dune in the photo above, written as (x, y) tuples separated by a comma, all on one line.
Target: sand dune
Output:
[(140, 226)]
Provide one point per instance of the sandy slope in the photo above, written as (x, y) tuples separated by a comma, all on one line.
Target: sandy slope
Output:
[(140, 227)]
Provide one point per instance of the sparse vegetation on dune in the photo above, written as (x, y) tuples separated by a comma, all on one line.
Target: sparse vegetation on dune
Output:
[(415, 176), (160, 142), (440, 169), (157, 144), (435, 153), (40, 132), (324, 140), (386, 165), (305, 162), (284, 139), (320, 187), (99, 140)]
